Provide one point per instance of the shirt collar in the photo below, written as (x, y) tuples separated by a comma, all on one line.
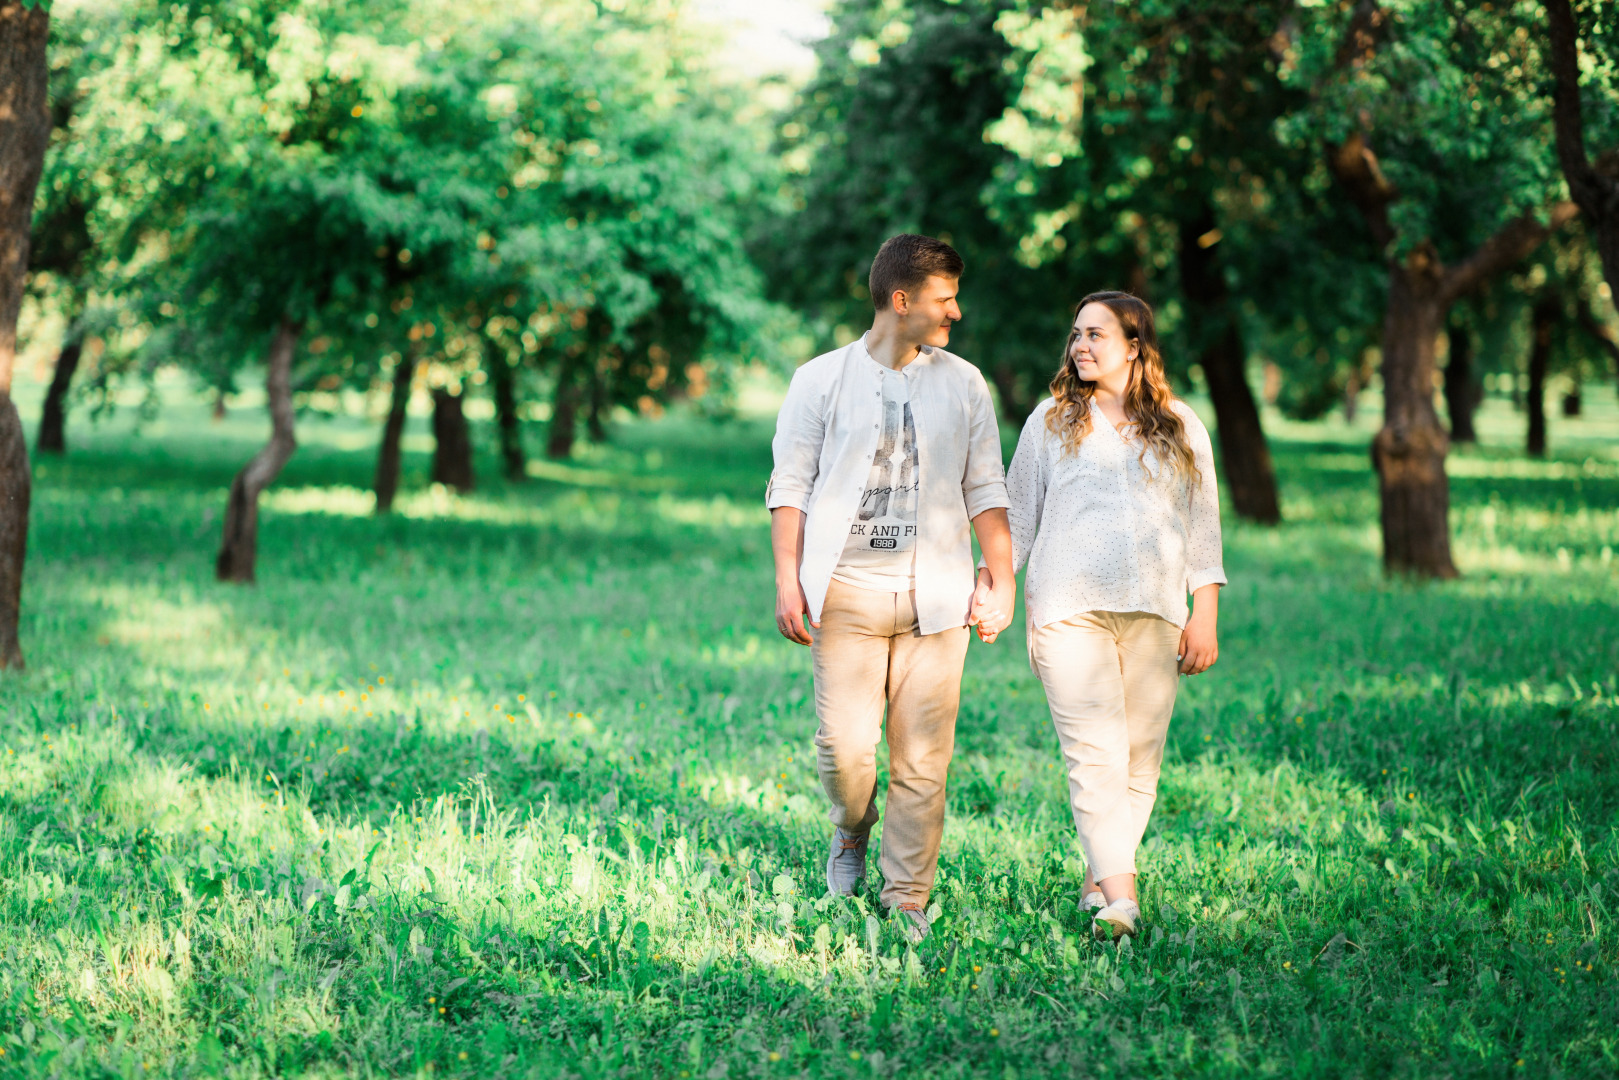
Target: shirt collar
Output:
[(923, 358)]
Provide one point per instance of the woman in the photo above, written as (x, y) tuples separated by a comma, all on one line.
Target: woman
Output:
[(1115, 509)]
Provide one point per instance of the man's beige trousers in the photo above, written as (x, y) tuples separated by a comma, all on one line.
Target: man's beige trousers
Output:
[(1110, 680), (868, 651)]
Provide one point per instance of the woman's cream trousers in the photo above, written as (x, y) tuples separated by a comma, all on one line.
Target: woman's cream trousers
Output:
[(1110, 679)]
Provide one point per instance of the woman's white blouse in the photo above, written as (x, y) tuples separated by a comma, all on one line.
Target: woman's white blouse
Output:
[(1103, 531)]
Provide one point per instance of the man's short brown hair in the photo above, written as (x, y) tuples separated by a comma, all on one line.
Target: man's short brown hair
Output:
[(905, 261)]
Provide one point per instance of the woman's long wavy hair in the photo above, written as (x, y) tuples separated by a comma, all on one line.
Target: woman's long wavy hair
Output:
[(1147, 400)]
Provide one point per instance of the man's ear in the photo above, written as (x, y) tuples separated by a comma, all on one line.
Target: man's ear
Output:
[(899, 302)]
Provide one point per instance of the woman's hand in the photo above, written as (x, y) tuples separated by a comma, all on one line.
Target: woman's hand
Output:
[(1199, 646)]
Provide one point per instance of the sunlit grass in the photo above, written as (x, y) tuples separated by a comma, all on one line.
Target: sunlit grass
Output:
[(521, 783)]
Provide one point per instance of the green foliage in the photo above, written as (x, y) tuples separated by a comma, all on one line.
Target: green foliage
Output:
[(887, 138), (564, 178), (523, 784)]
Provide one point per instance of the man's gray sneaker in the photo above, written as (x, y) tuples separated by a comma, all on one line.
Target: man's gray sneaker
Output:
[(915, 922), (846, 865)]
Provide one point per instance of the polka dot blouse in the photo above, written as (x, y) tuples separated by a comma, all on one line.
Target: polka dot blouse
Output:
[(1103, 530)]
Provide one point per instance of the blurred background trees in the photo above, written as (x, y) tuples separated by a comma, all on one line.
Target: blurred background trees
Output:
[(565, 208)]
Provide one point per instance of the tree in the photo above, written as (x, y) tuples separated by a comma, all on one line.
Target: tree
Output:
[(1453, 174), (1186, 96), (1594, 186), (889, 137), (24, 131), (1462, 389), (1083, 147), (61, 256)]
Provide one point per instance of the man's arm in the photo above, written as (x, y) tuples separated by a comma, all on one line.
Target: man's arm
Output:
[(996, 596), (787, 545)]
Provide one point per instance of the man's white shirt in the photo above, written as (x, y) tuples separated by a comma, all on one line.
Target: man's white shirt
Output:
[(828, 437)]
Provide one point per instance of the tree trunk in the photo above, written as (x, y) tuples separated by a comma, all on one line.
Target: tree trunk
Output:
[(1245, 459), (1595, 191), (239, 548), (1461, 387), (559, 439), (596, 418), (452, 443), (25, 127), (52, 438), (1542, 316), (1600, 332), (1015, 406), (16, 490), (1409, 451), (1574, 401), (503, 373), (388, 460), (1360, 377)]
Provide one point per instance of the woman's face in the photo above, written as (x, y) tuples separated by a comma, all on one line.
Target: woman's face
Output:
[(1100, 351)]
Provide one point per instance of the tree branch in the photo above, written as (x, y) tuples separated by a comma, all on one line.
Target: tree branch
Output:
[(1512, 242), (1365, 30), (1356, 168), (1598, 330)]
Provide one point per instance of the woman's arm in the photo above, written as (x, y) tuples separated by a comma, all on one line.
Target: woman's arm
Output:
[(1200, 646), (1026, 491)]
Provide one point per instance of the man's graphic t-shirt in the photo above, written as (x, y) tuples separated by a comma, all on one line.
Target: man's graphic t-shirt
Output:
[(881, 550)]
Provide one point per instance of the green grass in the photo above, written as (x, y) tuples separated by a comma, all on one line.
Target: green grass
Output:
[(522, 784)]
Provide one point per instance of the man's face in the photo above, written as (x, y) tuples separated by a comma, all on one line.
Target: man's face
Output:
[(927, 312)]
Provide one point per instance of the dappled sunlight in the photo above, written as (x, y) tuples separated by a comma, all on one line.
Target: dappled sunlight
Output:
[(540, 744)]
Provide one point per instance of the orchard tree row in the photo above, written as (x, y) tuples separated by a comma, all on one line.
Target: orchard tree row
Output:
[(547, 196), (554, 197), (1326, 185)]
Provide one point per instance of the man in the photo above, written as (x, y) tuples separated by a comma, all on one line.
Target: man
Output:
[(885, 451)]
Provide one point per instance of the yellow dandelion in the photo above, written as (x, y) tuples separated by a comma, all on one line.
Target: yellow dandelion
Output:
[(774, 1056)]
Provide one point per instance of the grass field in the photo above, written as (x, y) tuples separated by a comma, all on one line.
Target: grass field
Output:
[(521, 784)]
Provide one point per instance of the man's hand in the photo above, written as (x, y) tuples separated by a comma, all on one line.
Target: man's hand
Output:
[(787, 547), (995, 598), (792, 609), (992, 607), (1199, 646)]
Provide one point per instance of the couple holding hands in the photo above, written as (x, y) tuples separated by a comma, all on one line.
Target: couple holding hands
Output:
[(887, 453)]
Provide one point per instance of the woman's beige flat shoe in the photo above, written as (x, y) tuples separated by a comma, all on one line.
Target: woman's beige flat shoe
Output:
[(1116, 921)]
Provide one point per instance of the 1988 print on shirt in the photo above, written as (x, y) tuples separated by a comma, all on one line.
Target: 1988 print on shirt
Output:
[(882, 538)]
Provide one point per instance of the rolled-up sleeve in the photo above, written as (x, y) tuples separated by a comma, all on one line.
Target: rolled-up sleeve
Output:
[(800, 430), (983, 481), (1204, 557), (1026, 487)]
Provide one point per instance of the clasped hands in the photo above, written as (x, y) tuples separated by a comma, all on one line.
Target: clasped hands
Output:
[(992, 608)]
